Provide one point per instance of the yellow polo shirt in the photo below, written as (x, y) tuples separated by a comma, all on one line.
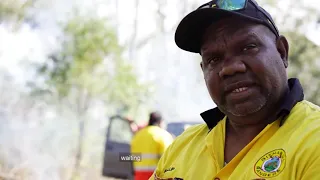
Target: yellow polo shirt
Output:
[(287, 152)]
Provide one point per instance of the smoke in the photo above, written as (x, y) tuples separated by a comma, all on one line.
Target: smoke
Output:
[(35, 142)]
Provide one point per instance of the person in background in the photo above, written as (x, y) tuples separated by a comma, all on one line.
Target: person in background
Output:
[(134, 126), (150, 143)]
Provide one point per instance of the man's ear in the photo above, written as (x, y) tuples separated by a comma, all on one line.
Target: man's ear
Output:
[(283, 49), (201, 65)]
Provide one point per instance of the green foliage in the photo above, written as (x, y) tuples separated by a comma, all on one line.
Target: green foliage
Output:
[(302, 51), (15, 11), (123, 79), (90, 59), (304, 57)]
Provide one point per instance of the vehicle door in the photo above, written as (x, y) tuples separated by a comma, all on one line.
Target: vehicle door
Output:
[(119, 135)]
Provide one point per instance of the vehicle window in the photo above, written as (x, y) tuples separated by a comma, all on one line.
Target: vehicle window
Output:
[(120, 131), (177, 128)]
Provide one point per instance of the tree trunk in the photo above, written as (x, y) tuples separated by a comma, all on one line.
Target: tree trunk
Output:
[(82, 107), (79, 153)]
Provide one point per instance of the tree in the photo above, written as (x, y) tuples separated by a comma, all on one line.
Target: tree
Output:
[(15, 12), (89, 68), (304, 57)]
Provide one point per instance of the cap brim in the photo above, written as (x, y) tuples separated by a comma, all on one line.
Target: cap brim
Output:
[(191, 28)]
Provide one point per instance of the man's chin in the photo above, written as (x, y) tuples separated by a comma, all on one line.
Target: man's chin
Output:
[(245, 109)]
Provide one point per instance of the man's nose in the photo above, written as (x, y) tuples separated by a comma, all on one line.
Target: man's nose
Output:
[(232, 66)]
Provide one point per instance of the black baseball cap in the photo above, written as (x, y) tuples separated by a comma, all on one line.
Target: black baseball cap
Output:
[(190, 30)]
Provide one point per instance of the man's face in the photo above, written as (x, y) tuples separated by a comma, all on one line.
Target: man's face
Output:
[(244, 66)]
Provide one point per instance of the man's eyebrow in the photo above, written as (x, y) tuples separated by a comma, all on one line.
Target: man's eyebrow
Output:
[(247, 36), (236, 39)]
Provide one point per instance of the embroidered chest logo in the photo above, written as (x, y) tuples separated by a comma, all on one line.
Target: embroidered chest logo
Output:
[(271, 164)]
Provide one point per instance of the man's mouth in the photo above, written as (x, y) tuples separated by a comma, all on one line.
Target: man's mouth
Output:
[(238, 87), (238, 90)]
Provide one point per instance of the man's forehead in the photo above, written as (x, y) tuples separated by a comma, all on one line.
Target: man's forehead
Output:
[(227, 28), (231, 33)]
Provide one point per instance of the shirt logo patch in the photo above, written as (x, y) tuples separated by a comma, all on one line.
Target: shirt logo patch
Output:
[(271, 164)]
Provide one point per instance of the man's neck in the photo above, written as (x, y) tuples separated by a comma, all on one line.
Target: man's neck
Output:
[(248, 132), (252, 125)]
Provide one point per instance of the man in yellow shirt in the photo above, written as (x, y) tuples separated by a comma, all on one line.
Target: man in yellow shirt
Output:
[(149, 143), (262, 128)]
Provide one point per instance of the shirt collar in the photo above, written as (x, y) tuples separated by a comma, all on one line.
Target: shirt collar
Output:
[(293, 96)]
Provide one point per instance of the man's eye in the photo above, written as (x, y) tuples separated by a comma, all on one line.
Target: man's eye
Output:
[(249, 46), (214, 59)]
